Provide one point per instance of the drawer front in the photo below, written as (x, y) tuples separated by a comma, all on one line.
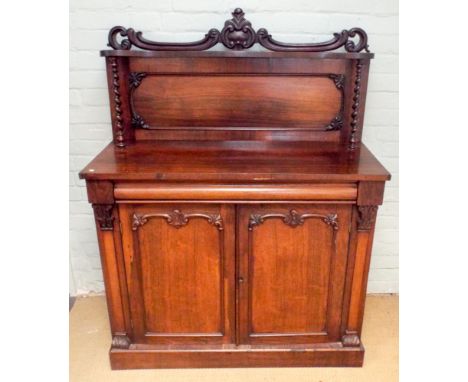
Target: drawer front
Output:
[(253, 192)]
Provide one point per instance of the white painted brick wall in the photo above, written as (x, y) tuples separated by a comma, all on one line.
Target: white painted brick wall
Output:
[(182, 20)]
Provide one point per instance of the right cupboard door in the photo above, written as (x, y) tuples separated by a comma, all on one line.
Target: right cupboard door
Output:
[(291, 272)]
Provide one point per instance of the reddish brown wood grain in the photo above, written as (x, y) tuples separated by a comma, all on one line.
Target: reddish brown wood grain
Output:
[(244, 101)]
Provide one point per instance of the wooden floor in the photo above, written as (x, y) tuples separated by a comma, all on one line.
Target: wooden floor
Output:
[(90, 341)]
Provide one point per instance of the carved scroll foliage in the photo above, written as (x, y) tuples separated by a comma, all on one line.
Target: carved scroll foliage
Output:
[(238, 34), (134, 80), (337, 122), (118, 124), (366, 217), (104, 216), (293, 219), (177, 219)]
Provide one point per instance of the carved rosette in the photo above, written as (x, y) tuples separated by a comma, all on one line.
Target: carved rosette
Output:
[(177, 219), (121, 342), (293, 219), (353, 140), (238, 34), (366, 217), (351, 340), (104, 216), (118, 123), (134, 80)]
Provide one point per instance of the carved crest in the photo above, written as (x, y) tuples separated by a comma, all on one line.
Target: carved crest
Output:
[(238, 34)]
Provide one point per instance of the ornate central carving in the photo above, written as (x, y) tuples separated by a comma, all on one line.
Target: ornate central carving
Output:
[(177, 219), (238, 34), (293, 219)]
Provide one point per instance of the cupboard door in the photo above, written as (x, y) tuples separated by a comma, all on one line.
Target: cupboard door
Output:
[(179, 262), (291, 272)]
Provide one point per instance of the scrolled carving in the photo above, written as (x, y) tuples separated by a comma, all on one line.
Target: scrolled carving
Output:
[(366, 217), (121, 342), (134, 80), (353, 140), (351, 46), (292, 219), (104, 216), (238, 34), (177, 219), (137, 39)]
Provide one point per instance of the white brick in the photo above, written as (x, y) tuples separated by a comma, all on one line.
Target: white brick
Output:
[(90, 114), (202, 6), (384, 262), (74, 97), (96, 97), (98, 4), (89, 40), (384, 63), (383, 82), (88, 79), (104, 20), (83, 60)]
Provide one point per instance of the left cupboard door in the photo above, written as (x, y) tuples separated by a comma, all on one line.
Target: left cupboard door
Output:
[(180, 267)]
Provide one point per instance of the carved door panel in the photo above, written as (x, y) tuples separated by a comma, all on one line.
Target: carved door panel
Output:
[(179, 261), (291, 272)]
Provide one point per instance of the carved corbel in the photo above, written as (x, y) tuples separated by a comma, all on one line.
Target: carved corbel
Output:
[(104, 216), (366, 217)]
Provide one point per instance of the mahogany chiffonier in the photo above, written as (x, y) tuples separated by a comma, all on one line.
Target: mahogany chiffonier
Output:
[(235, 207)]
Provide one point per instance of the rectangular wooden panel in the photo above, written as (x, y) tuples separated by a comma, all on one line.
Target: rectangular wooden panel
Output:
[(180, 260), (291, 272), (308, 102)]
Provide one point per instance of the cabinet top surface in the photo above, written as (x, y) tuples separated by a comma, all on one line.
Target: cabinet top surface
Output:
[(234, 161)]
